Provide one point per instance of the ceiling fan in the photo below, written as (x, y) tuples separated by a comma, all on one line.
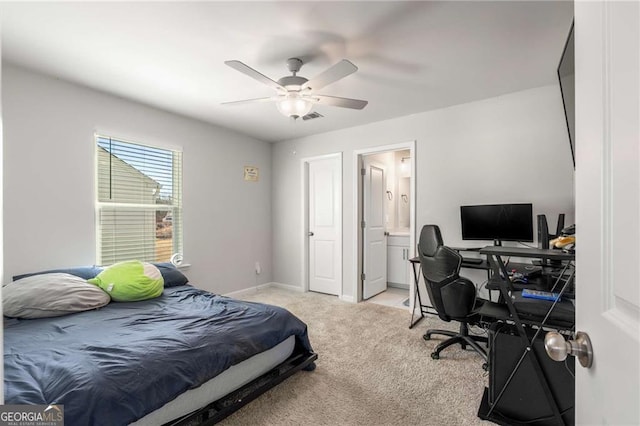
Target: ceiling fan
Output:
[(296, 95)]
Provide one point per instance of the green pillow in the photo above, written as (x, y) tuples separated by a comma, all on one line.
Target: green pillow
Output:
[(130, 281)]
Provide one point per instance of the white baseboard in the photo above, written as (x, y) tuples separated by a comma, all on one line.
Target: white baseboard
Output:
[(247, 290), (349, 299), (397, 285), (287, 287), (263, 286)]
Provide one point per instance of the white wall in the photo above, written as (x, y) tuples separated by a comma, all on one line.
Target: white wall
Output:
[(513, 148), (49, 181)]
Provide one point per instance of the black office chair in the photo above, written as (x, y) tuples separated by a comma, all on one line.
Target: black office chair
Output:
[(453, 296)]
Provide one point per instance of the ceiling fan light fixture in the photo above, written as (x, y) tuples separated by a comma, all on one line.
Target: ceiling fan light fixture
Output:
[(293, 105), (297, 95)]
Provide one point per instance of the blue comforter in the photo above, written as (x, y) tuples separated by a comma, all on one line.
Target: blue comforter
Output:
[(115, 365)]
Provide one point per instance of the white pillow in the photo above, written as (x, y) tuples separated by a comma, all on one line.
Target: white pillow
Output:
[(50, 295)]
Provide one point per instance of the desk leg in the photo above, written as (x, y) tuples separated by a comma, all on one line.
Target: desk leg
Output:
[(416, 295), (489, 279)]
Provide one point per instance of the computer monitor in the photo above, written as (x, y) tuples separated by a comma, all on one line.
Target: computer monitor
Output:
[(497, 222)]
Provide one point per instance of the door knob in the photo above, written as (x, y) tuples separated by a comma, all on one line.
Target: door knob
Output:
[(310, 234), (386, 234), (557, 348)]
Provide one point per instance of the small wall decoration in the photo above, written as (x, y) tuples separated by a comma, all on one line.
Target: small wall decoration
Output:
[(251, 173)]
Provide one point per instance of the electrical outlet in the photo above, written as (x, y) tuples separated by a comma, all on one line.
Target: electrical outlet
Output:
[(258, 268)]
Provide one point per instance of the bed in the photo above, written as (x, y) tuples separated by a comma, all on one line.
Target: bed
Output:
[(185, 357)]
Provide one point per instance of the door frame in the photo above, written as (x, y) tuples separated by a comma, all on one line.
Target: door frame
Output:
[(357, 211), (304, 172)]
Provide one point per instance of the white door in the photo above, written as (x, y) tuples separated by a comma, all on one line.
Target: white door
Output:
[(608, 210), (325, 225), (375, 240)]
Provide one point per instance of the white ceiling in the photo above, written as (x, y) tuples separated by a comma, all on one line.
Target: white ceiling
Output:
[(412, 56)]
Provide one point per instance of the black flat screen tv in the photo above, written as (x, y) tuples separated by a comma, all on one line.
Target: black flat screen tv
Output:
[(497, 222), (567, 79)]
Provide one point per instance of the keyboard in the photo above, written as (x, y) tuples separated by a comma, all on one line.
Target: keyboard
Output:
[(472, 260)]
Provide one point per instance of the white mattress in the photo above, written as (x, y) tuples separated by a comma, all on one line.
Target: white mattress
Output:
[(231, 379)]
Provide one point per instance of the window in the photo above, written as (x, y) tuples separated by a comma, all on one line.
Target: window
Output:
[(139, 202)]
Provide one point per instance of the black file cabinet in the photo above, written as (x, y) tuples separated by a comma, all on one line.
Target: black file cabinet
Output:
[(523, 400)]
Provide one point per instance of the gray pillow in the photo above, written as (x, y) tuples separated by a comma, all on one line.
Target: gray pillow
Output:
[(50, 295)]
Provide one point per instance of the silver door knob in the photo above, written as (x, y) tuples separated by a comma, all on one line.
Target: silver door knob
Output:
[(310, 234), (557, 348)]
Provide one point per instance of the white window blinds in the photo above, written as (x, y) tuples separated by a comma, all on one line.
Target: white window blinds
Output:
[(139, 202)]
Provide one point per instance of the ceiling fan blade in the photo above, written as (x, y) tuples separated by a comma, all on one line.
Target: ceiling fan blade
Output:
[(331, 75), (340, 102), (249, 101), (245, 69)]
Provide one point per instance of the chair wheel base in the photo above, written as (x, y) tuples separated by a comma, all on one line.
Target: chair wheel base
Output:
[(426, 337), (435, 355), (485, 366)]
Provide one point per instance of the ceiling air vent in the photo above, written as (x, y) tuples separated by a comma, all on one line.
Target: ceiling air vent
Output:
[(312, 115)]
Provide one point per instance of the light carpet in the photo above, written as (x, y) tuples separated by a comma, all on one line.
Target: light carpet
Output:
[(371, 370)]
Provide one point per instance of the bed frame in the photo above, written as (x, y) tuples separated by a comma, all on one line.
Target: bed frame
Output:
[(227, 405)]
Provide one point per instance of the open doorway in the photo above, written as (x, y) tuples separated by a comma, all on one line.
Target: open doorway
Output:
[(385, 223)]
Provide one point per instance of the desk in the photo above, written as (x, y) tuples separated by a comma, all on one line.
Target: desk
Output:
[(534, 253), (484, 264), (527, 336), (559, 284)]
